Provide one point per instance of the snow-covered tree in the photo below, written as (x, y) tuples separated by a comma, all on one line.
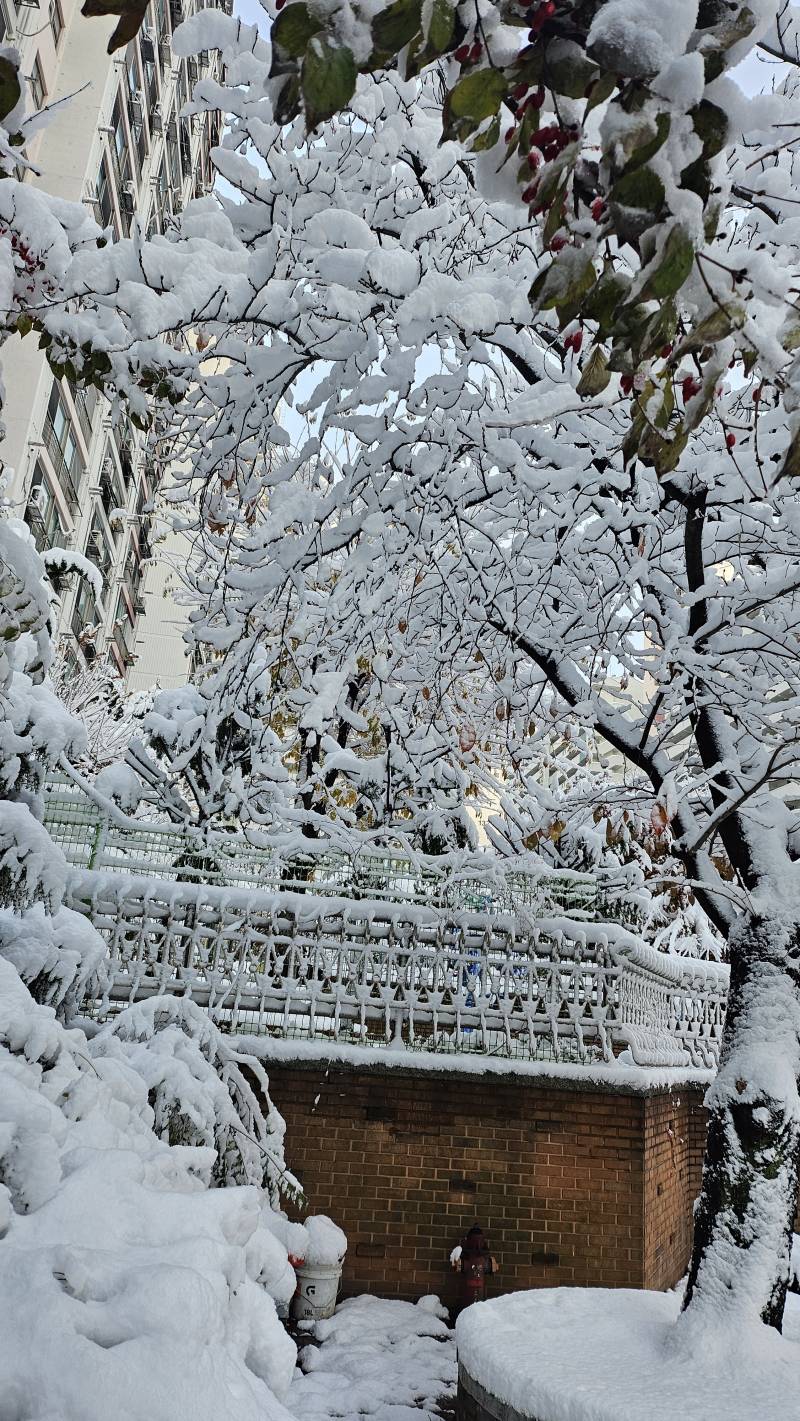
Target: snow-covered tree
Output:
[(583, 497)]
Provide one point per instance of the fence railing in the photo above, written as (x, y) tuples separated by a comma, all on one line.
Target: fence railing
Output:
[(94, 838), (376, 972)]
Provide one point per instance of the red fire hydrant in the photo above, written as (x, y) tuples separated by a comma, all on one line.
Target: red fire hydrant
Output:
[(473, 1262)]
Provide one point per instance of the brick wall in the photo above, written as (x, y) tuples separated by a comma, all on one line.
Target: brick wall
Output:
[(570, 1185)]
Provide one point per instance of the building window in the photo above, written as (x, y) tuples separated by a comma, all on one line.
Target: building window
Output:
[(121, 150), (84, 398), (62, 446), (42, 515), (104, 199), (85, 620), (98, 551), (36, 81), (111, 493), (4, 25), (56, 21)]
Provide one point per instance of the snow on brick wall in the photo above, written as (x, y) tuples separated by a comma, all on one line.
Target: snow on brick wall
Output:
[(570, 1185)]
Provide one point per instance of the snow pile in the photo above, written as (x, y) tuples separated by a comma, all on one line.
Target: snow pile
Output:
[(378, 1358), (580, 1354), (127, 1287), (327, 1243)]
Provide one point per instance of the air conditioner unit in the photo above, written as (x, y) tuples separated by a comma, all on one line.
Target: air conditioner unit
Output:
[(136, 108), (127, 204), (156, 121), (165, 52), (108, 468), (148, 49), (175, 12)]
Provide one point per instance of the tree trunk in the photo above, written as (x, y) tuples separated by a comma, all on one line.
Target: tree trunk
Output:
[(746, 1209)]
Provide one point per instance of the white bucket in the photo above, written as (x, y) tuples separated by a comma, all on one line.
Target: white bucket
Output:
[(317, 1288)]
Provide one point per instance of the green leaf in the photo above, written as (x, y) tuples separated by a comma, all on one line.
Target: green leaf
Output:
[(328, 80), (568, 70), (790, 468), (441, 23), (718, 324), (673, 266), (605, 297), (394, 28), (287, 103), (24, 324), (595, 374), (475, 97), (649, 146), (565, 282), (711, 126), (602, 89), (661, 453), (642, 189), (10, 90), (292, 29), (488, 138)]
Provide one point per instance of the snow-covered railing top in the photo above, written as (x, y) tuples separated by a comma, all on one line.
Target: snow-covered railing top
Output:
[(373, 972), (96, 835)]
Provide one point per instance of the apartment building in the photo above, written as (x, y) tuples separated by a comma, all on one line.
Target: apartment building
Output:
[(80, 480)]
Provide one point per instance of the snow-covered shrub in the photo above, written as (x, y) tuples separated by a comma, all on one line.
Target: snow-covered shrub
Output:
[(203, 1092), (61, 958), (127, 1287)]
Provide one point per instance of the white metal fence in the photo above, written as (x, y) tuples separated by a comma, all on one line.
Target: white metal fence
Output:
[(96, 836), (373, 972)]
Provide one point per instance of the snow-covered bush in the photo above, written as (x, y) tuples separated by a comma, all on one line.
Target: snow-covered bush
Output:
[(202, 1091), (127, 1287), (60, 957)]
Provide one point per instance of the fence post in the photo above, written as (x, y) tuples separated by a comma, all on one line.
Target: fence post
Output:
[(99, 842)]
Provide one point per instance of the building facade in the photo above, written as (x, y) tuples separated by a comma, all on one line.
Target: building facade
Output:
[(81, 480)]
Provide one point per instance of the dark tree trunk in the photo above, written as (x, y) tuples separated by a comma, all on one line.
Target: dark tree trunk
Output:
[(745, 1214)]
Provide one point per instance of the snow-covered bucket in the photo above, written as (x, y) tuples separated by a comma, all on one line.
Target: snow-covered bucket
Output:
[(317, 1290), (319, 1273)]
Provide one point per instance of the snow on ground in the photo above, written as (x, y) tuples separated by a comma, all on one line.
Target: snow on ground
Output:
[(377, 1358), (590, 1354)]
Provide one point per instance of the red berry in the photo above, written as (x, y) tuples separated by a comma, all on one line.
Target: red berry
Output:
[(521, 90), (598, 208), (534, 160), (530, 192), (626, 384), (577, 341), (461, 53), (476, 51), (279, 4), (689, 388), (666, 350), (511, 135), (536, 100), (757, 393), (730, 440), (557, 243)]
